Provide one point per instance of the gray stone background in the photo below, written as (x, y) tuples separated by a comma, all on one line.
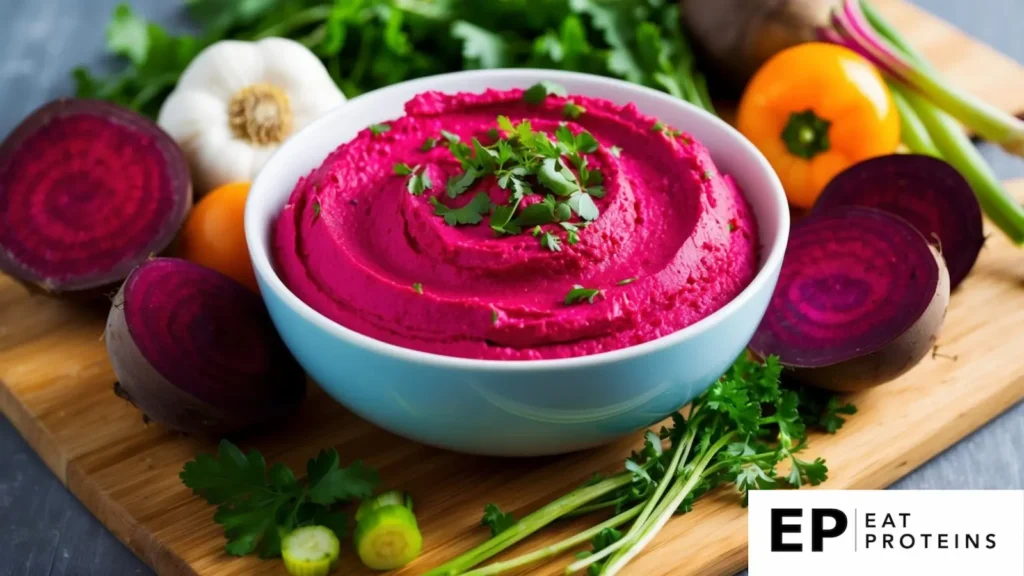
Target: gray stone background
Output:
[(43, 528)]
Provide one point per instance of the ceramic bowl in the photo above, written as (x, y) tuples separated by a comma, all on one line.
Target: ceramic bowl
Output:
[(518, 408)]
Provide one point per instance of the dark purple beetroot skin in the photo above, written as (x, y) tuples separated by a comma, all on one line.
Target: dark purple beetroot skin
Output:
[(196, 351), (925, 191), (859, 300), (88, 191)]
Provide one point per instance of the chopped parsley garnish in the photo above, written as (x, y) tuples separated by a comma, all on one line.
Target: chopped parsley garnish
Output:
[(666, 130), (583, 205), (494, 316), (417, 287), (525, 162), (419, 182), (707, 175), (378, 129), (457, 185), (418, 179), (429, 144), (626, 281), (615, 150), (538, 92), (572, 232), (732, 226), (316, 210), (572, 111), (551, 242), (578, 294), (469, 214)]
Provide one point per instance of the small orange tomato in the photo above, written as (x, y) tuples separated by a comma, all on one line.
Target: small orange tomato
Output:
[(214, 235), (815, 109)]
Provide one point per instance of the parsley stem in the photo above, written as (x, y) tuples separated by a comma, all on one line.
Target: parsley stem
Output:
[(297, 20), (667, 507), (531, 523), (680, 454), (556, 548), (591, 508)]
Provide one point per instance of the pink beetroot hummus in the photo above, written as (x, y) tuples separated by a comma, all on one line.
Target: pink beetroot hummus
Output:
[(674, 241)]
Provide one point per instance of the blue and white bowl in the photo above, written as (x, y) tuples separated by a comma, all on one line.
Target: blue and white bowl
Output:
[(515, 408)]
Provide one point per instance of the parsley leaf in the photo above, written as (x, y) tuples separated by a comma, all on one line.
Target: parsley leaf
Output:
[(429, 144), (418, 179), (583, 205), (578, 294), (626, 281), (127, 35), (572, 111), (615, 150), (502, 219), (497, 520), (378, 129), (469, 214), (458, 185), (481, 48), (254, 506), (551, 242), (536, 214), (538, 92)]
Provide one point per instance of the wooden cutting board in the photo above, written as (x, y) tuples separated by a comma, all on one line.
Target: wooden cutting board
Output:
[(56, 387)]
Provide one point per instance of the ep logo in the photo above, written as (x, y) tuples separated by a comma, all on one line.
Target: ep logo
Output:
[(824, 523)]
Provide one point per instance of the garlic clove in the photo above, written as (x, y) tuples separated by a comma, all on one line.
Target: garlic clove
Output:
[(293, 68), (310, 105), (224, 68), (187, 113), (219, 159)]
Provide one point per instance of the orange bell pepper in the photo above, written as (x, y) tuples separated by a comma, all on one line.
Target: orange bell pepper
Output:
[(814, 110)]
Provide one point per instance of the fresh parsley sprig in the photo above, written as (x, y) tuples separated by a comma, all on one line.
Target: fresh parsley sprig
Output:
[(257, 506), (737, 433), (525, 161)]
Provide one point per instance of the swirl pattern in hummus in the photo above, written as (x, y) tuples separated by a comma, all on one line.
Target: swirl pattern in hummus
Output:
[(355, 245)]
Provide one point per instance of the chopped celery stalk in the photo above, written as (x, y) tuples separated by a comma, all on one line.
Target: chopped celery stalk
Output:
[(310, 551), (388, 537), (392, 498), (958, 150), (912, 130)]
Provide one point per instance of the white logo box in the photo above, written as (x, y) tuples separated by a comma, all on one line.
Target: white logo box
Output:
[(933, 532)]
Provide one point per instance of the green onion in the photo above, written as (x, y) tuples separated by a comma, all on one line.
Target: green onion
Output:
[(912, 129), (867, 32)]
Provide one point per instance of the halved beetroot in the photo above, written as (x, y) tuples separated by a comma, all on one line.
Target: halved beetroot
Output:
[(860, 300), (196, 350), (88, 190), (925, 191)]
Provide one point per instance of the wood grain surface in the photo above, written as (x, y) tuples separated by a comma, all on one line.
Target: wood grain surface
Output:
[(57, 394)]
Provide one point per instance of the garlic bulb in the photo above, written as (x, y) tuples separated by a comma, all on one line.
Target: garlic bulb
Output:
[(238, 101)]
